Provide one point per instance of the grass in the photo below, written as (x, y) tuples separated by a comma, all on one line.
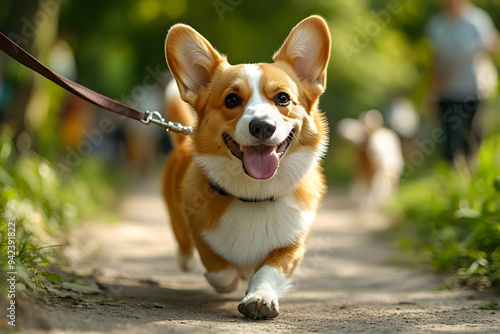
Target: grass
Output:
[(491, 306), (44, 206), (451, 219)]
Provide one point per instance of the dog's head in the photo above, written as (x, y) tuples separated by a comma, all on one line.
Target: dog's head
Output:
[(256, 122)]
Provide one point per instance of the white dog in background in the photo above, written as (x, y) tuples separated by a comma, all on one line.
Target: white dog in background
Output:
[(380, 160)]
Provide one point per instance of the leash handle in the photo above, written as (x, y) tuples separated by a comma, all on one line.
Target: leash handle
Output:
[(23, 57)]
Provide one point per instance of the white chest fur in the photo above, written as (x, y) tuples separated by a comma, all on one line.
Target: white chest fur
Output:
[(248, 232)]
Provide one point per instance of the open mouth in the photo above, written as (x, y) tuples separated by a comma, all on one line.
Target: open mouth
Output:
[(260, 161)]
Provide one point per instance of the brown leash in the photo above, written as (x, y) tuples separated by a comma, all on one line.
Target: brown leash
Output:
[(23, 57)]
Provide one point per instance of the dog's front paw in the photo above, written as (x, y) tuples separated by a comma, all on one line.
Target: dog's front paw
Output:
[(259, 305)]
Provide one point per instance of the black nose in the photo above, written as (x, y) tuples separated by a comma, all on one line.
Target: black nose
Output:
[(262, 128)]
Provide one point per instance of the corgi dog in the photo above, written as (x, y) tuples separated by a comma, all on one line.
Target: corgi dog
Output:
[(244, 189), (380, 159)]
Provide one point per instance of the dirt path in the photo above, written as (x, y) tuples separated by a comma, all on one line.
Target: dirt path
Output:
[(345, 285)]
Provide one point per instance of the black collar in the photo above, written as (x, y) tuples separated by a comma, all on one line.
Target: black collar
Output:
[(223, 192)]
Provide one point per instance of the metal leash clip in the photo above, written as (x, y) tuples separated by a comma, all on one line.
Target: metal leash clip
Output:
[(156, 118)]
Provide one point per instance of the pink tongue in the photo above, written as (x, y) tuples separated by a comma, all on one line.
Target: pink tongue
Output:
[(261, 161)]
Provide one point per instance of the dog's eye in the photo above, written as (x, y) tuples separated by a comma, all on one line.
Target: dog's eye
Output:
[(232, 101), (283, 99)]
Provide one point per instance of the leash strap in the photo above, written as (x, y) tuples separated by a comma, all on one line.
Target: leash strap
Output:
[(23, 57)]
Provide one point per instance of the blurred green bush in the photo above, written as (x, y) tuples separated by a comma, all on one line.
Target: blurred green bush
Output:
[(451, 219), (44, 206)]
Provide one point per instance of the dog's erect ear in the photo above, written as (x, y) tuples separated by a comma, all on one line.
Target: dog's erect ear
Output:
[(307, 50), (191, 59)]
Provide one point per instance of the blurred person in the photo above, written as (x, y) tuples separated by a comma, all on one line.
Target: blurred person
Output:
[(76, 118), (380, 161), (462, 37), (76, 114)]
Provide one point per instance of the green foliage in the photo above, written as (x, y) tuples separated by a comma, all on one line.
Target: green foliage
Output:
[(43, 206), (52, 277), (491, 306), (452, 218)]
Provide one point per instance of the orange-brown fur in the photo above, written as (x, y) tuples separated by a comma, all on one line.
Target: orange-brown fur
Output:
[(286, 259)]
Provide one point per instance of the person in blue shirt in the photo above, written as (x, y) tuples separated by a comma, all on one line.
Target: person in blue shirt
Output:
[(462, 36)]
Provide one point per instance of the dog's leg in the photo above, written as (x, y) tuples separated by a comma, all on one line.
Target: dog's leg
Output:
[(220, 274), (224, 281), (265, 287), (174, 172), (270, 282)]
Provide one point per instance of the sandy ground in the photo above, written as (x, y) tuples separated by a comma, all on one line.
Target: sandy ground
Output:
[(346, 284)]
